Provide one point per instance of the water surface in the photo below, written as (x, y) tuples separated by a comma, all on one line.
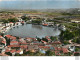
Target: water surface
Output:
[(30, 30)]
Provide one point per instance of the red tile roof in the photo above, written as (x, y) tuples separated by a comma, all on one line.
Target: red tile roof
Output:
[(57, 42), (11, 22), (24, 46), (56, 52), (7, 50), (48, 39), (14, 42), (27, 50), (0, 36), (44, 47), (65, 50), (18, 51), (3, 54), (58, 48), (13, 46), (13, 38), (12, 51), (8, 36), (4, 42)]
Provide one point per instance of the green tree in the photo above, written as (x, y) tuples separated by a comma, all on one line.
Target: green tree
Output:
[(50, 53), (12, 20)]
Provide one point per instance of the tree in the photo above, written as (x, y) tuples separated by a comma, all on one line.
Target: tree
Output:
[(37, 21), (77, 49), (50, 53), (37, 53), (66, 35), (44, 39), (12, 20), (66, 42), (77, 40), (39, 39), (17, 54), (25, 18), (5, 21), (53, 38)]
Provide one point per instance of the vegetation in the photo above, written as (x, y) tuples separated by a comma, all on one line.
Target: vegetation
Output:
[(50, 53), (38, 21), (25, 18), (66, 35), (76, 40), (10, 20), (53, 38)]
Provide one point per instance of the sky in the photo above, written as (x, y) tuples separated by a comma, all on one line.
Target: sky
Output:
[(39, 4), (39, 0)]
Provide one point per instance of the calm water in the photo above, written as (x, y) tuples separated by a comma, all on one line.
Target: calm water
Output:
[(30, 30), (50, 4)]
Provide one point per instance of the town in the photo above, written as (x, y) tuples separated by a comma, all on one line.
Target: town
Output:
[(66, 44)]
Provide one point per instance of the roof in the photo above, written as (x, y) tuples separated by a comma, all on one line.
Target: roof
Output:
[(24, 46), (4, 42), (8, 36), (44, 47), (3, 54), (58, 48), (13, 42), (7, 50), (13, 38), (65, 50), (0, 36), (57, 42), (12, 51), (48, 39), (13, 46), (18, 51), (11, 22), (56, 52), (31, 47), (43, 41)]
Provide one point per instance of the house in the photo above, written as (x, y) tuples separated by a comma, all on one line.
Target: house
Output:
[(13, 38), (48, 23), (65, 50), (22, 41), (9, 46), (33, 47), (44, 47), (1, 48), (23, 46), (28, 39), (2, 41), (57, 52), (8, 36), (13, 52), (1, 36), (19, 51), (44, 42), (7, 50), (60, 50), (75, 21), (14, 43)]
